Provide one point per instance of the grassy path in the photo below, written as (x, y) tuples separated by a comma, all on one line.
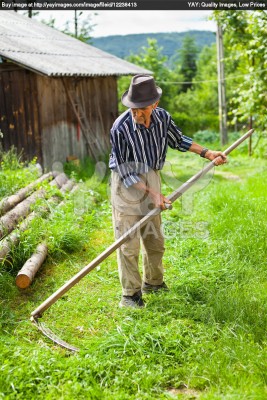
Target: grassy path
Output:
[(205, 339)]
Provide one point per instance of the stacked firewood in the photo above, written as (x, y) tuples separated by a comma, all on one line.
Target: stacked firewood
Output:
[(16, 215)]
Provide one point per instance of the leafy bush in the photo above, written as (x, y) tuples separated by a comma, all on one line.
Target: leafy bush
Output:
[(211, 139), (205, 137), (189, 124)]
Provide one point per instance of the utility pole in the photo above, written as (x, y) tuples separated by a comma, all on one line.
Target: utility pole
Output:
[(250, 138), (29, 10), (221, 87), (251, 119), (76, 23)]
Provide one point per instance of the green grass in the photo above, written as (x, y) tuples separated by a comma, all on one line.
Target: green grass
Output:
[(204, 339), (14, 173), (12, 181)]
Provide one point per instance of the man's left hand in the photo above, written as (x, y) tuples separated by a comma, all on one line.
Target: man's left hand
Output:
[(219, 155)]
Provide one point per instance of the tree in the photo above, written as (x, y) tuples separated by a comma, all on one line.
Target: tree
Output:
[(197, 108), (51, 22), (192, 110), (188, 59), (78, 28), (82, 27), (246, 40), (151, 58)]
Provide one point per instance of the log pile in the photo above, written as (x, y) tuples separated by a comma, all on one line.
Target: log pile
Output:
[(8, 203), (16, 216)]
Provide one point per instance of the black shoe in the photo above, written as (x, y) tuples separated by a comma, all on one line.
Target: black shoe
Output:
[(147, 288), (134, 301)]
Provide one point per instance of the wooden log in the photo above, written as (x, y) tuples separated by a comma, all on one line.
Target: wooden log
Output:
[(10, 220), (8, 203), (67, 186), (13, 239), (59, 180), (28, 271)]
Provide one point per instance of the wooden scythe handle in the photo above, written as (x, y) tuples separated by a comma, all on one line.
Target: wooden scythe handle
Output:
[(37, 313)]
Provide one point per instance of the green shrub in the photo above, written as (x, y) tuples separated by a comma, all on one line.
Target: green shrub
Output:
[(190, 124), (206, 137)]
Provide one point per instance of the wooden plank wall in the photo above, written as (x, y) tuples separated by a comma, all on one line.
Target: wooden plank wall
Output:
[(60, 126), (37, 116), (19, 116)]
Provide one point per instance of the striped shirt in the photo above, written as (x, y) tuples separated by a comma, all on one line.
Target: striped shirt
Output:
[(136, 149)]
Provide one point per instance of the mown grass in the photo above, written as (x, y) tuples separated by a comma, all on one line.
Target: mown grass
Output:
[(204, 339)]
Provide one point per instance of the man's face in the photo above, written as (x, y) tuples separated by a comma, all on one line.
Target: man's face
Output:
[(142, 115)]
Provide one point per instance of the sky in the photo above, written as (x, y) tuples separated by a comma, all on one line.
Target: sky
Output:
[(129, 22)]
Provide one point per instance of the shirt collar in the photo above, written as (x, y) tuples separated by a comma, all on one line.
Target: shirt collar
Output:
[(154, 120)]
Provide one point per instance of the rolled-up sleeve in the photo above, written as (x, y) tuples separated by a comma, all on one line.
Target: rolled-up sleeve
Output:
[(124, 169), (176, 140)]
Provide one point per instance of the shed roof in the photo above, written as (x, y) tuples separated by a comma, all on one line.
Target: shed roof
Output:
[(50, 52)]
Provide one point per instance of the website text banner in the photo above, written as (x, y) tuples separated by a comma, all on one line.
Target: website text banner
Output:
[(132, 5)]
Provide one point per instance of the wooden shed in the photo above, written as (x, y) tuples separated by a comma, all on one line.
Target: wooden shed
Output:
[(58, 95)]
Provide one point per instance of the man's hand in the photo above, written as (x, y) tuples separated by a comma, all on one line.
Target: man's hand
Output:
[(158, 199), (211, 155)]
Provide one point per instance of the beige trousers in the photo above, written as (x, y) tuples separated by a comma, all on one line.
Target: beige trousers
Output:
[(129, 205)]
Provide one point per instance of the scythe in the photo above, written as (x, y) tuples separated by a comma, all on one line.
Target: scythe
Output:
[(37, 313)]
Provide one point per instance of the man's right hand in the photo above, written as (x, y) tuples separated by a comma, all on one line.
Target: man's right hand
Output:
[(157, 198)]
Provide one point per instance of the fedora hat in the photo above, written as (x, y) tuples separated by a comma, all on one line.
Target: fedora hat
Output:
[(142, 92)]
